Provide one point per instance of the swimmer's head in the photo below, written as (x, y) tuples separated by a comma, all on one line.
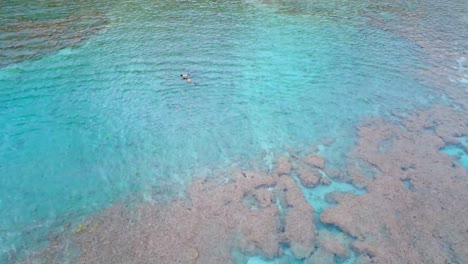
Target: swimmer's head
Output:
[(184, 75)]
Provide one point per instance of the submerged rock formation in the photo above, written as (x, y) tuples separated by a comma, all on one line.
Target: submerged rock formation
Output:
[(254, 212), (24, 39), (438, 37), (415, 208)]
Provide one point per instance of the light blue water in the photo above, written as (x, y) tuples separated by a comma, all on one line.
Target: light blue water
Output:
[(84, 126), (317, 196), (459, 152)]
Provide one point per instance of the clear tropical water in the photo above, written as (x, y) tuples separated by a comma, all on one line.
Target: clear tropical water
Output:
[(85, 125)]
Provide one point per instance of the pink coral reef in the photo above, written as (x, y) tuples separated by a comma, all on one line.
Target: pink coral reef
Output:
[(439, 38), (392, 223), (414, 210), (27, 39), (254, 212)]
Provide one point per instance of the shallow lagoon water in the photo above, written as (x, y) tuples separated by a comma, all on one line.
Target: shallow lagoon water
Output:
[(90, 124)]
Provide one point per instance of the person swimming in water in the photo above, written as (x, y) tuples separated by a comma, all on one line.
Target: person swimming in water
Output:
[(185, 76)]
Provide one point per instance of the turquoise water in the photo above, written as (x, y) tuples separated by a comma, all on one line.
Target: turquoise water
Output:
[(459, 152), (86, 125), (317, 196)]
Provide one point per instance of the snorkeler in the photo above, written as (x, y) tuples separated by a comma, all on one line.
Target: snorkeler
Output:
[(185, 76)]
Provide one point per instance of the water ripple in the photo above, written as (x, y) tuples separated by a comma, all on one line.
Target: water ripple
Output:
[(83, 125)]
